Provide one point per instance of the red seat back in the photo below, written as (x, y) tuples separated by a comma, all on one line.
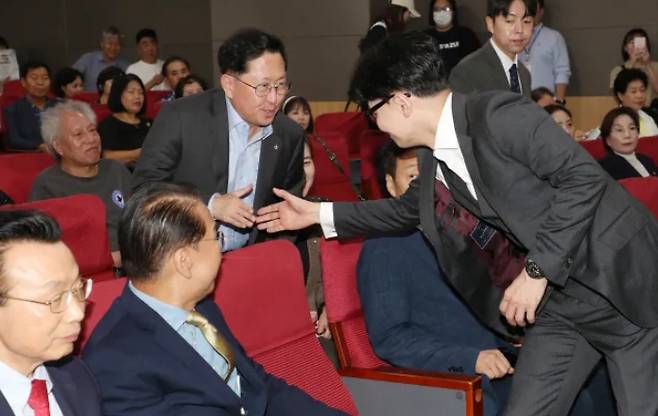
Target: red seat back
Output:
[(594, 148), (648, 146), (18, 171), (350, 124), (341, 296), (102, 112), (102, 296), (90, 98), (12, 91), (261, 292), (329, 182), (371, 143), (645, 190), (84, 230)]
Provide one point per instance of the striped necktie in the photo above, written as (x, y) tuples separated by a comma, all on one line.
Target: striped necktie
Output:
[(515, 86), (215, 339)]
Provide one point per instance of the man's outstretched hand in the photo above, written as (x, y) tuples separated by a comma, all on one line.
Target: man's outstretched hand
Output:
[(292, 213)]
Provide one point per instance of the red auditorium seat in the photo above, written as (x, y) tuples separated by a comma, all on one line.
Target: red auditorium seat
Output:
[(102, 112), (348, 328), (350, 124), (594, 148), (371, 142), (645, 190), (18, 171), (12, 91), (261, 292), (648, 146), (82, 220), (90, 98), (329, 182)]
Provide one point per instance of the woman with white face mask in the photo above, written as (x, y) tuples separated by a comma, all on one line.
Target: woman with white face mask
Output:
[(454, 41)]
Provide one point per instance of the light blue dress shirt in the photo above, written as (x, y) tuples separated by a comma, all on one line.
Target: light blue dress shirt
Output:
[(547, 58), (91, 64), (243, 160), (176, 318)]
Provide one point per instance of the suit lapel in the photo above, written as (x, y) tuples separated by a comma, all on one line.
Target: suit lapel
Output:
[(64, 391), (496, 69), (4, 406), (219, 144), (427, 177)]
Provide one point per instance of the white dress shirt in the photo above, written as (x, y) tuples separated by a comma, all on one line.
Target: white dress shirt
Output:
[(16, 388), (507, 63), (446, 149)]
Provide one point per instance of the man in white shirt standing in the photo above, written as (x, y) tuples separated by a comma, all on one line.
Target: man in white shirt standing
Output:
[(149, 67), (42, 304)]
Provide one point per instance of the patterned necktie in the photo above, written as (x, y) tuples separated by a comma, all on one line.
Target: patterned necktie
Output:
[(38, 399), (515, 86), (214, 338)]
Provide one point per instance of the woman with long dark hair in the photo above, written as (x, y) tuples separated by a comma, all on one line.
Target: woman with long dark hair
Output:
[(394, 19)]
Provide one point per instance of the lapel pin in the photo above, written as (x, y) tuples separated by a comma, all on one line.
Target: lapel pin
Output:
[(276, 147)]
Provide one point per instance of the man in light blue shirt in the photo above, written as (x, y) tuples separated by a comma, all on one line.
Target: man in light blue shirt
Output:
[(92, 63), (546, 58)]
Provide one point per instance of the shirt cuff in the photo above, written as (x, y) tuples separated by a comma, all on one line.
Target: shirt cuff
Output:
[(327, 219), (210, 203)]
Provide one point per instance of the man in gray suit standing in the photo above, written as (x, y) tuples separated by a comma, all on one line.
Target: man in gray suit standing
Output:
[(231, 143), (495, 66), (589, 286)]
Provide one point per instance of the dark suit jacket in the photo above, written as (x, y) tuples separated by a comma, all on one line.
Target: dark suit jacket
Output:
[(482, 71), (74, 388), (619, 168), (189, 143), (544, 192), (144, 367)]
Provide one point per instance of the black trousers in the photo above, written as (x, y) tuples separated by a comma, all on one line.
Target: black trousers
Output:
[(573, 331)]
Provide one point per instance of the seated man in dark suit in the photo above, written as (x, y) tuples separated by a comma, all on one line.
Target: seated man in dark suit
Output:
[(495, 66), (415, 320), (42, 304), (231, 143), (164, 348)]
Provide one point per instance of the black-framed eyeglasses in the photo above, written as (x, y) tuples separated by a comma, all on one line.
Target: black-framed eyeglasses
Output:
[(80, 292), (264, 88), (370, 112), (219, 235)]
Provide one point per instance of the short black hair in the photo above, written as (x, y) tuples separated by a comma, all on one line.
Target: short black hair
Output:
[(64, 77), (108, 73), (453, 6), (402, 62), (119, 85), (158, 219), (501, 7), (244, 46), (539, 92), (552, 108), (636, 32), (171, 59), (609, 120), (146, 33), (387, 163), (190, 79), (24, 225), (298, 101), (625, 77), (31, 65)]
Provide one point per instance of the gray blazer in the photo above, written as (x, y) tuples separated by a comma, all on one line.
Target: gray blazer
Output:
[(482, 71), (540, 188), (188, 144)]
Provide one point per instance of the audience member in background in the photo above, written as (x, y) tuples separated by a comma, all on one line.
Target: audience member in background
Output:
[(3, 45), (636, 53), (495, 66), (455, 41), (190, 85), (23, 117), (124, 132), (542, 96), (630, 89), (415, 320), (42, 304), (546, 57), (68, 83), (619, 132), (392, 20), (562, 117), (174, 69), (104, 83), (92, 63), (299, 110), (171, 253), (69, 130), (232, 143), (149, 66)]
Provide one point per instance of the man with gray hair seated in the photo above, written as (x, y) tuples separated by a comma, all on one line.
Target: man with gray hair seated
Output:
[(69, 132), (92, 63)]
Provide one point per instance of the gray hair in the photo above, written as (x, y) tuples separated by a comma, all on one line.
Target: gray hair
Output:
[(111, 31), (51, 117)]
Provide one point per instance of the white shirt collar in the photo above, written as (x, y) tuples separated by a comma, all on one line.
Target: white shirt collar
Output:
[(16, 388), (504, 59)]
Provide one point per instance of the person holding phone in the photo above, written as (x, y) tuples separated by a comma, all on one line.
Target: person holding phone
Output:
[(636, 53)]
